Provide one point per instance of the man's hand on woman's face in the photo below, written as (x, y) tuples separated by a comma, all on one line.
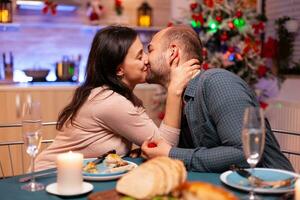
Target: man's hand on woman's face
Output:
[(154, 148)]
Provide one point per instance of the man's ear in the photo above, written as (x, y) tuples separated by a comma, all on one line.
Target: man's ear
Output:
[(174, 52)]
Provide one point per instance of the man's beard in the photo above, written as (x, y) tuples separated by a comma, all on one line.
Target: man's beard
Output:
[(160, 75)]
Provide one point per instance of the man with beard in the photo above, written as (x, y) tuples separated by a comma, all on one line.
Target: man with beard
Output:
[(214, 104)]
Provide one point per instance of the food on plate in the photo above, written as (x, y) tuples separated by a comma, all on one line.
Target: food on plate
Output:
[(91, 168), (113, 162), (203, 191), (158, 176)]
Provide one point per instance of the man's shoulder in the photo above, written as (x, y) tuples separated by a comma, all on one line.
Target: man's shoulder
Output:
[(213, 71)]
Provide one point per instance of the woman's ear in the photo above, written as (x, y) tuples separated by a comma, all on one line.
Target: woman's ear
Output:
[(174, 53), (120, 72)]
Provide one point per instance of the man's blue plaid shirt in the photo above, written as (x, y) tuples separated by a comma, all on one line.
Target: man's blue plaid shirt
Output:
[(214, 108)]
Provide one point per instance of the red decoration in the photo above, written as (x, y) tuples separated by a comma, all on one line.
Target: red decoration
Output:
[(251, 44), (263, 105), (118, 7), (270, 48), (193, 6), (261, 71), (94, 11), (239, 14), (219, 19), (209, 3), (231, 49), (231, 25), (258, 28), (198, 18), (170, 24), (224, 37), (152, 145), (49, 6)]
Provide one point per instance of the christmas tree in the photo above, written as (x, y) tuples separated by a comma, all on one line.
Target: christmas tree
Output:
[(230, 33)]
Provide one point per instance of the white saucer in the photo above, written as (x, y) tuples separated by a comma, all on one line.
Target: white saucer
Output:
[(86, 187)]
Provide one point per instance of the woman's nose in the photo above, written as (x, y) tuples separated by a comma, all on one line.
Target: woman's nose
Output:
[(146, 60)]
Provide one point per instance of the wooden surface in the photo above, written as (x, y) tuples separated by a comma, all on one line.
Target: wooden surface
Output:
[(104, 195)]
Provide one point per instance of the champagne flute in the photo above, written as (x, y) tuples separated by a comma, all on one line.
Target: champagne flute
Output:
[(253, 137), (32, 136)]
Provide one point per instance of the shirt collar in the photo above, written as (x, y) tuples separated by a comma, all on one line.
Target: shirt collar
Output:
[(191, 87)]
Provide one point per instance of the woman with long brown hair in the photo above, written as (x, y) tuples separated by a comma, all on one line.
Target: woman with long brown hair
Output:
[(104, 114)]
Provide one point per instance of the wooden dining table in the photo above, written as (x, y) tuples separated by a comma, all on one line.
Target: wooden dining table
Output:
[(10, 188)]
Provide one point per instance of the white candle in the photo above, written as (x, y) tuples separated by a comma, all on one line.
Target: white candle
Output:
[(69, 172)]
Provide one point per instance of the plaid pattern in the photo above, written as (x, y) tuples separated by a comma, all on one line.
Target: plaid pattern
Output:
[(215, 103)]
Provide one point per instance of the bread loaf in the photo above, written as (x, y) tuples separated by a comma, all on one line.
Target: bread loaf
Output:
[(158, 176)]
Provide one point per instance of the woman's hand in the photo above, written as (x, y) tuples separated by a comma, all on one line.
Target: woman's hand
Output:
[(154, 148), (180, 75)]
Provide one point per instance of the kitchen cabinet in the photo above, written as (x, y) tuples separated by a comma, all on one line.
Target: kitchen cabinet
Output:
[(53, 98)]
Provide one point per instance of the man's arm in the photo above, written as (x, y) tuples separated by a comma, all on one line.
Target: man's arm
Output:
[(226, 98)]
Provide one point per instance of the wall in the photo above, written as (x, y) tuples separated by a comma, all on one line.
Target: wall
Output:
[(39, 40), (279, 8)]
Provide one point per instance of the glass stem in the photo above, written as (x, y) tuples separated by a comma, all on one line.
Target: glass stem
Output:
[(251, 195), (32, 169)]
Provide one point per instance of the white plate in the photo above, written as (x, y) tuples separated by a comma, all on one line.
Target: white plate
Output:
[(103, 176), (232, 179), (86, 187)]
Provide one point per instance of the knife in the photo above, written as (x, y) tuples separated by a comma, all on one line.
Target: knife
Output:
[(101, 158)]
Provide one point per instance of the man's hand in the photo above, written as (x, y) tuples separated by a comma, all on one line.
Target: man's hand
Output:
[(154, 148)]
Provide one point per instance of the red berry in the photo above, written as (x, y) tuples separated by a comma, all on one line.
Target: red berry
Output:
[(152, 145), (239, 14)]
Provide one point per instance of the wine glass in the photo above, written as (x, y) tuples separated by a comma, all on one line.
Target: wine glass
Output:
[(253, 137), (32, 136)]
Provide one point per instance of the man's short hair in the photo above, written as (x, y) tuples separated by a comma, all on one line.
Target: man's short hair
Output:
[(188, 39)]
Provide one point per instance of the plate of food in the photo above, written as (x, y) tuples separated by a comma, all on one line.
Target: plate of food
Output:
[(266, 180), (110, 168)]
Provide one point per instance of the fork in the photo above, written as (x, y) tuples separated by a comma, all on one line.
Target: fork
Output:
[(258, 182)]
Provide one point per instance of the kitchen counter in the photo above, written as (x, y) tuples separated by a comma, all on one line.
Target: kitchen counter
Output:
[(12, 86)]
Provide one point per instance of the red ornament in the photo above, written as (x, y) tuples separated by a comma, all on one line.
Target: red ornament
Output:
[(263, 105), (261, 71), (270, 48), (193, 6), (118, 3), (224, 37), (219, 19), (239, 14), (170, 24), (152, 145), (258, 27), (49, 5), (209, 3), (198, 18), (231, 25), (231, 49)]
